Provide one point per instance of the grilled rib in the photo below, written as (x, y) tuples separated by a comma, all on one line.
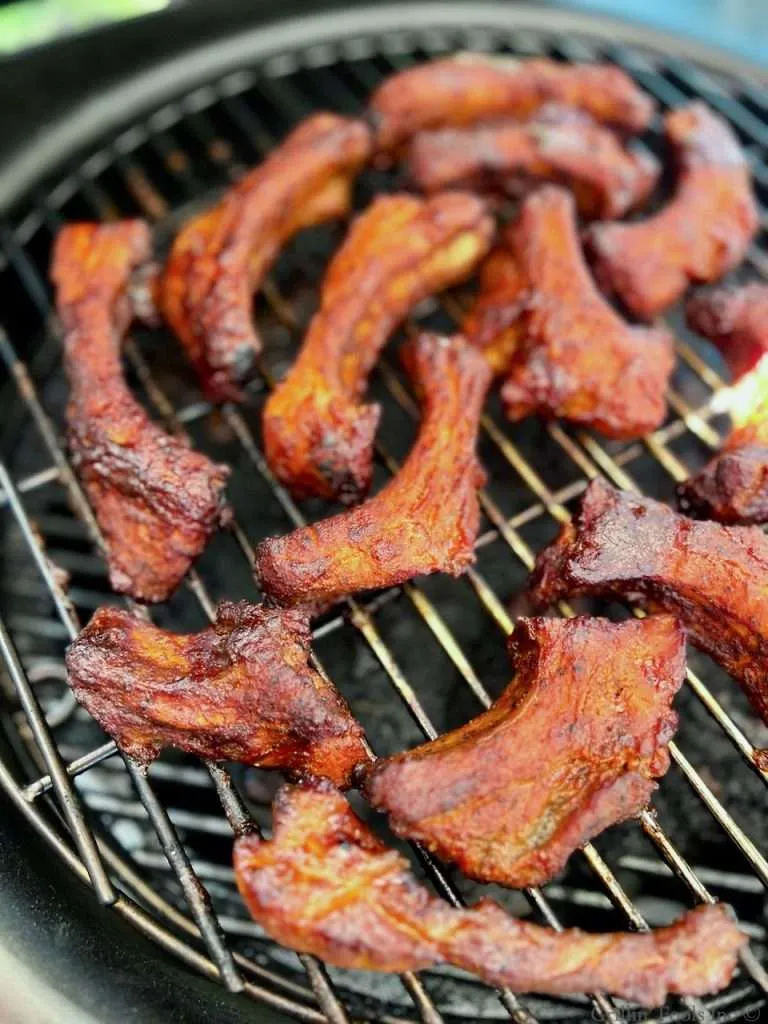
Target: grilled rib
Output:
[(241, 690), (703, 231), (157, 502), (220, 258), (324, 884), (426, 518), (711, 576), (572, 746), (566, 353), (318, 434), (470, 87), (559, 144)]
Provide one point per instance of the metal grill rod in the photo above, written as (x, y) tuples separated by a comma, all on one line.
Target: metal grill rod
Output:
[(140, 918), (68, 799), (34, 481), (195, 893), (41, 785)]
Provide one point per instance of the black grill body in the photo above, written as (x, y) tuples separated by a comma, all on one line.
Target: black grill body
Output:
[(156, 119)]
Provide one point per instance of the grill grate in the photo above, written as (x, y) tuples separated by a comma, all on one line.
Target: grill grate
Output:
[(161, 168)]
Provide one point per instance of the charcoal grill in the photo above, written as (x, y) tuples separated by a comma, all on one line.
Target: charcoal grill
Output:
[(412, 661)]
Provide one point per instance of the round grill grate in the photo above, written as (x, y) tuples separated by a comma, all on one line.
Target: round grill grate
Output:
[(412, 661)]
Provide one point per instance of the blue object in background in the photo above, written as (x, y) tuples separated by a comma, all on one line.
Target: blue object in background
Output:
[(738, 25)]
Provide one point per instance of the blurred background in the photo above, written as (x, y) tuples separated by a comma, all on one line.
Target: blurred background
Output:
[(739, 25)]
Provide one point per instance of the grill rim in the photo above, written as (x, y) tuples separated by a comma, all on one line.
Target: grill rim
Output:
[(151, 89), (439, 20)]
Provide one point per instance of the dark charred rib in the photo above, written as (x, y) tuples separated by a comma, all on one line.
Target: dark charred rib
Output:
[(572, 746), (470, 87), (425, 520), (733, 486), (241, 690), (711, 576), (220, 258), (567, 354), (157, 502), (560, 145), (701, 234), (324, 884), (318, 434)]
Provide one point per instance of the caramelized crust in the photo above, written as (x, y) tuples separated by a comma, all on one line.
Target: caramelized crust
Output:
[(567, 353), (241, 690), (703, 231), (733, 486), (711, 576), (425, 520), (470, 87), (156, 501), (572, 746), (324, 884), (318, 434), (560, 145), (220, 258)]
